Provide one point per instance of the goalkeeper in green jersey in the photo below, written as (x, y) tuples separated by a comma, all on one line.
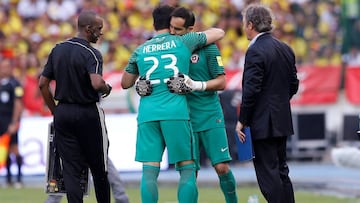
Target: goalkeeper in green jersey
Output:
[(163, 117), (206, 76)]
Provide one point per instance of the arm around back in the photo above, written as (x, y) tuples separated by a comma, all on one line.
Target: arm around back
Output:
[(213, 35)]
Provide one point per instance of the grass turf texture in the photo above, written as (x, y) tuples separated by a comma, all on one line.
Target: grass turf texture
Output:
[(167, 194)]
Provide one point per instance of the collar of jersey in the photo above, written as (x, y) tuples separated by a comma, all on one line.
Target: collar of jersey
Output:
[(161, 35), (77, 39)]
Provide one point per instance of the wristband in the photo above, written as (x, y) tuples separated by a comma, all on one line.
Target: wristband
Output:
[(199, 85), (204, 86)]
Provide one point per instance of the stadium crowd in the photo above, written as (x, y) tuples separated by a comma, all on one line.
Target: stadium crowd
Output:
[(321, 32)]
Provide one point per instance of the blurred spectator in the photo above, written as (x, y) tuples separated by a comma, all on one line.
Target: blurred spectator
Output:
[(94, 5), (352, 58), (355, 33), (31, 9), (237, 59), (350, 13), (9, 21), (173, 3), (6, 50), (299, 45), (33, 101), (328, 56), (61, 10), (2, 43), (329, 17), (299, 19)]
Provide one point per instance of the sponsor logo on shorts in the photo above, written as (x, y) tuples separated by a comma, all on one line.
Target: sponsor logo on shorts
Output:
[(224, 149)]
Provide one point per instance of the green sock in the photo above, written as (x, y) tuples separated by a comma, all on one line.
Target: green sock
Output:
[(228, 187), (187, 191), (148, 185)]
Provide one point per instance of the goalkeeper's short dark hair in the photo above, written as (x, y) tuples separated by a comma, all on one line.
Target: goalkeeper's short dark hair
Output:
[(161, 16), (188, 15)]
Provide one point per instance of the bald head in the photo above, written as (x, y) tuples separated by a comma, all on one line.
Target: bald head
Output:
[(86, 18), (89, 26)]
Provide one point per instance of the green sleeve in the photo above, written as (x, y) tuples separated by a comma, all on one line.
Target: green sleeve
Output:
[(131, 67), (214, 60), (194, 40)]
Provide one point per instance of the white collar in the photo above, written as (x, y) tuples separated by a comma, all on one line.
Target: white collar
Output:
[(255, 38)]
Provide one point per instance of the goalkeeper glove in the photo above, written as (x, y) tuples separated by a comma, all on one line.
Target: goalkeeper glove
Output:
[(177, 85), (182, 84), (143, 87)]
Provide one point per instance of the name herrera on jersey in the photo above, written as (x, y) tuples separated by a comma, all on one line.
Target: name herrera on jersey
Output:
[(159, 47)]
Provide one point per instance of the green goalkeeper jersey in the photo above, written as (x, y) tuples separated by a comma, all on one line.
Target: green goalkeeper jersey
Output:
[(157, 60), (205, 108)]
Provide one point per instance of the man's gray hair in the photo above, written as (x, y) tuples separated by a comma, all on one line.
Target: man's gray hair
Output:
[(260, 16)]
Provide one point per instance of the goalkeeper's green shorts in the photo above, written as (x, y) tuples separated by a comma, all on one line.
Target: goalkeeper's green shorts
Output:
[(215, 143), (175, 135)]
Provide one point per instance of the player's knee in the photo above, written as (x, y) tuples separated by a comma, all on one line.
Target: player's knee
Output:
[(222, 168)]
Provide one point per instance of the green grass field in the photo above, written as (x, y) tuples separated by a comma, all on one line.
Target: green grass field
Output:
[(167, 194)]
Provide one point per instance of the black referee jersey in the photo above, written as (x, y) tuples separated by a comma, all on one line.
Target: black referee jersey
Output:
[(74, 78), (10, 89)]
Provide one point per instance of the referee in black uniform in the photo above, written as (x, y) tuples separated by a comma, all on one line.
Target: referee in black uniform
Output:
[(81, 137), (11, 107)]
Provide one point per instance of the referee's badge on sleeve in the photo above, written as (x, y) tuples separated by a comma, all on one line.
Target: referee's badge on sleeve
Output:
[(19, 91)]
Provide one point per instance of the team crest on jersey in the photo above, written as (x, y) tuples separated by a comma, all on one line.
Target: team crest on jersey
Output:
[(194, 58)]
